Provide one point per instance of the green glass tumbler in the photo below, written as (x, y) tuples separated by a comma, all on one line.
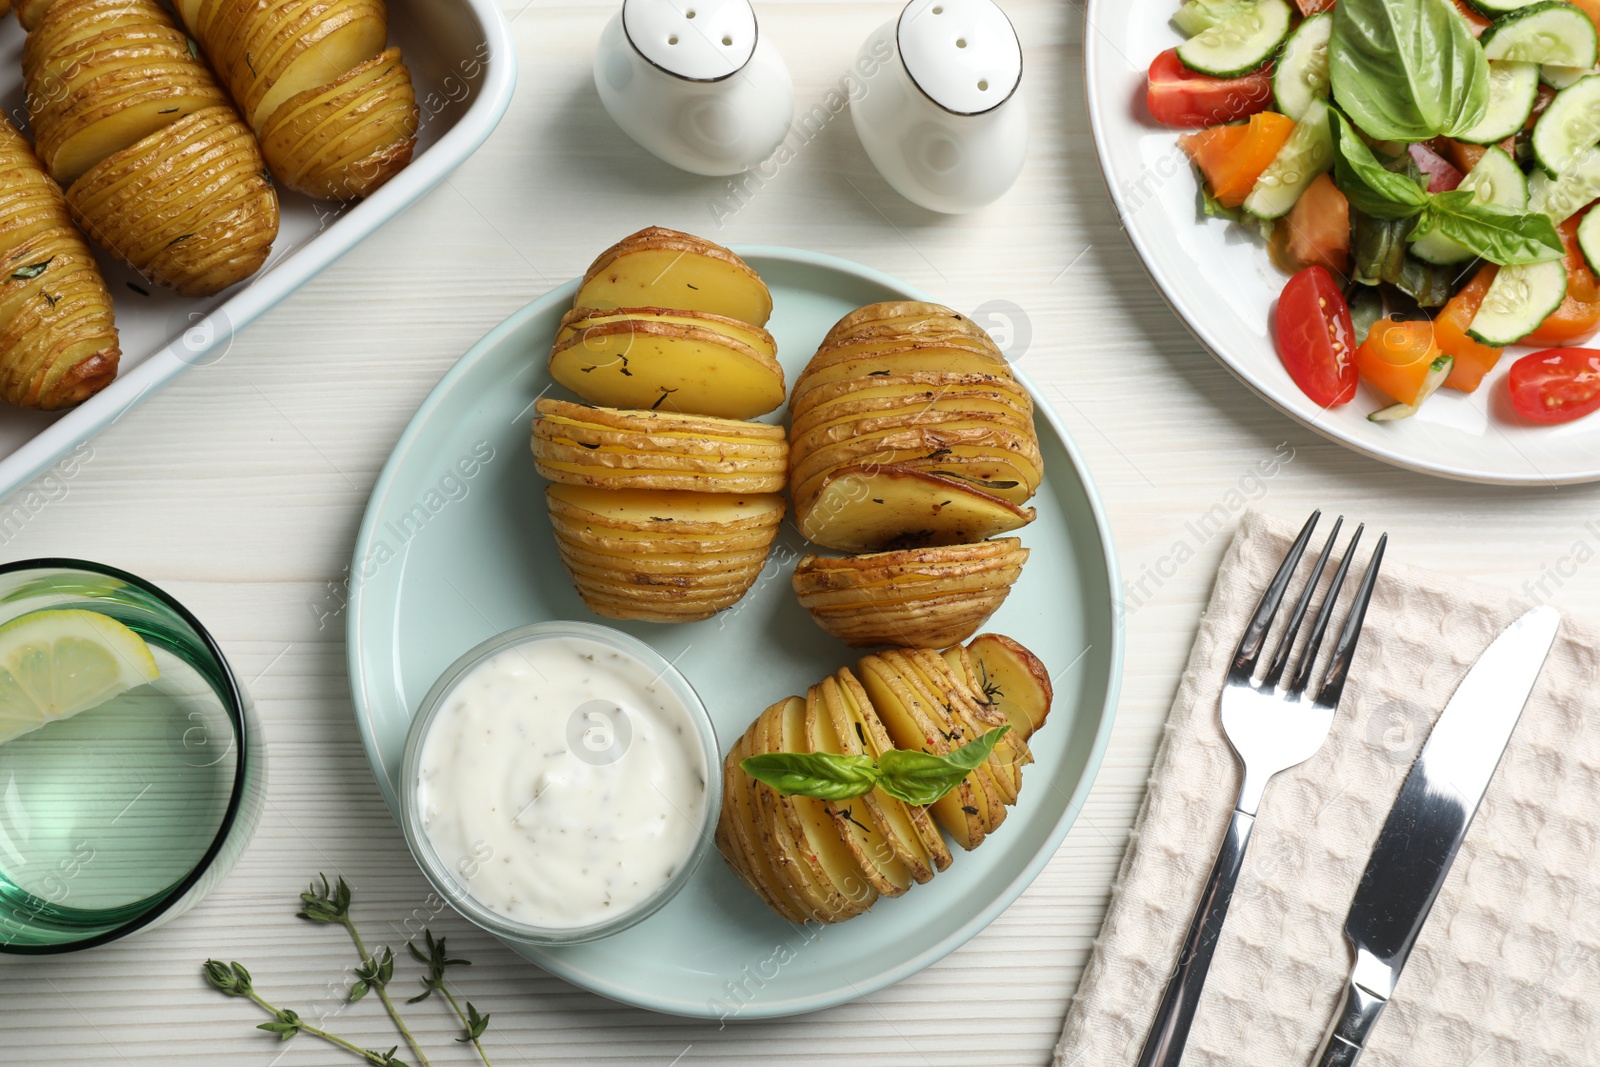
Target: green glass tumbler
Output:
[(122, 817)]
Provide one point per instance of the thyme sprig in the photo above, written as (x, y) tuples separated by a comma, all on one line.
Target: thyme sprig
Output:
[(234, 981), (437, 960), (332, 905)]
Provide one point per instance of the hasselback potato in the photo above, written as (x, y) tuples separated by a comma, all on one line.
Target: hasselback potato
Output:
[(58, 345), (157, 166), (334, 109)]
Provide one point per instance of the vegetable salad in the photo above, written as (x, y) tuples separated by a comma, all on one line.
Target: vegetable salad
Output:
[(1425, 170)]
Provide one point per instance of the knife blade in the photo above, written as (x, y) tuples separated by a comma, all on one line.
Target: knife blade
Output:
[(1430, 817)]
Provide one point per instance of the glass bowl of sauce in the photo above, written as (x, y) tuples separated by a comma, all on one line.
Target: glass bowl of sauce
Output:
[(560, 783)]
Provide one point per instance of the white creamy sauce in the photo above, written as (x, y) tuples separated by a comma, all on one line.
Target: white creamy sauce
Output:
[(549, 806)]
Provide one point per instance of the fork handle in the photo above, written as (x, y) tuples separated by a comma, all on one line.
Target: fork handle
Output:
[(1170, 1030)]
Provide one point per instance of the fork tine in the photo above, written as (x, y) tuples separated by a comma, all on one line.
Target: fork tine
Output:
[(1249, 650), (1308, 658), (1297, 616), (1345, 651)]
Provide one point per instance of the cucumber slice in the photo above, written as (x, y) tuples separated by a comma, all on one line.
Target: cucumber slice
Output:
[(1550, 32), (1493, 9), (1301, 74), (1563, 197), (1239, 44), (1569, 126), (1495, 180), (1198, 16), (1559, 78), (1438, 371), (1513, 88), (1589, 240), (1307, 153), (1519, 300)]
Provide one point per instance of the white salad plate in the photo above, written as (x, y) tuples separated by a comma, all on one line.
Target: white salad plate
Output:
[(1217, 277), (463, 68), (456, 546)]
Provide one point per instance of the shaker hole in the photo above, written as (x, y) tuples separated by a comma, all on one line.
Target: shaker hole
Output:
[(983, 86), (689, 14), (726, 40), (938, 10), (961, 42), (673, 39)]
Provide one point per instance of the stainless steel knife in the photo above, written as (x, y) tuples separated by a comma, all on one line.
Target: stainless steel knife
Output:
[(1429, 819)]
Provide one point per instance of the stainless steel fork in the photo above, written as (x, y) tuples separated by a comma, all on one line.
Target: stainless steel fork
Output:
[(1271, 727)]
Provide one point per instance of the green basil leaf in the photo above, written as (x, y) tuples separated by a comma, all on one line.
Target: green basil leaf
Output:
[(823, 775), (1366, 308), (1371, 187), (1407, 70), (1495, 232), (922, 778)]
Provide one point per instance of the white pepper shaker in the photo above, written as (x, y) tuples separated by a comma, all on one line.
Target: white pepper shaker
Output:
[(943, 118), (695, 83)]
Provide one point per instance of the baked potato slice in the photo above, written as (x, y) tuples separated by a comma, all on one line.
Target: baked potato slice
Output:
[(891, 818), (816, 828), (897, 360), (867, 509), (654, 365), (58, 343), (1014, 680), (903, 315), (995, 471), (913, 381), (343, 139), (301, 45), (746, 850), (949, 707), (658, 267), (931, 405), (953, 689), (666, 426), (581, 319), (1014, 747), (799, 859), (189, 206), (961, 811), (872, 734), (672, 514), (854, 820)]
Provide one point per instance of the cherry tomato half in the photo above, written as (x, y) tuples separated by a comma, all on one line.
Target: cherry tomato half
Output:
[(1316, 339), (1179, 96), (1557, 385)]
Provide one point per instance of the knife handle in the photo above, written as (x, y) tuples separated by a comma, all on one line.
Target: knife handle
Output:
[(1351, 1025), (1170, 1030)]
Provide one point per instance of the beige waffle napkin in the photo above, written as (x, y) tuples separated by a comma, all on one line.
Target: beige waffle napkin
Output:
[(1507, 971)]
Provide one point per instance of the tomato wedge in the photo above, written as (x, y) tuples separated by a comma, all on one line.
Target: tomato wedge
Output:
[(1395, 357), (1579, 314), (1233, 157), (1316, 232), (1316, 339), (1557, 385), (1473, 358), (1178, 96)]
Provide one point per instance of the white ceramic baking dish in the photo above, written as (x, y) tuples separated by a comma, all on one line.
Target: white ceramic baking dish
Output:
[(464, 67)]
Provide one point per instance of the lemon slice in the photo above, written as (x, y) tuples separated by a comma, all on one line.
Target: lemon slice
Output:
[(59, 662)]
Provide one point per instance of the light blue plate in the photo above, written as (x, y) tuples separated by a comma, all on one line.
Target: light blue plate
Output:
[(456, 547)]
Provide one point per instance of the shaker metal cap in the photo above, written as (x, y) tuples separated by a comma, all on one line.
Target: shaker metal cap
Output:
[(963, 54), (697, 40)]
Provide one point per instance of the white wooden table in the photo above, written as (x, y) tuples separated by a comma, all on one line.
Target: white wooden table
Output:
[(240, 489)]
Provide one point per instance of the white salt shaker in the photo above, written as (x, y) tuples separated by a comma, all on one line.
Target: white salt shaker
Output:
[(943, 118), (695, 83)]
